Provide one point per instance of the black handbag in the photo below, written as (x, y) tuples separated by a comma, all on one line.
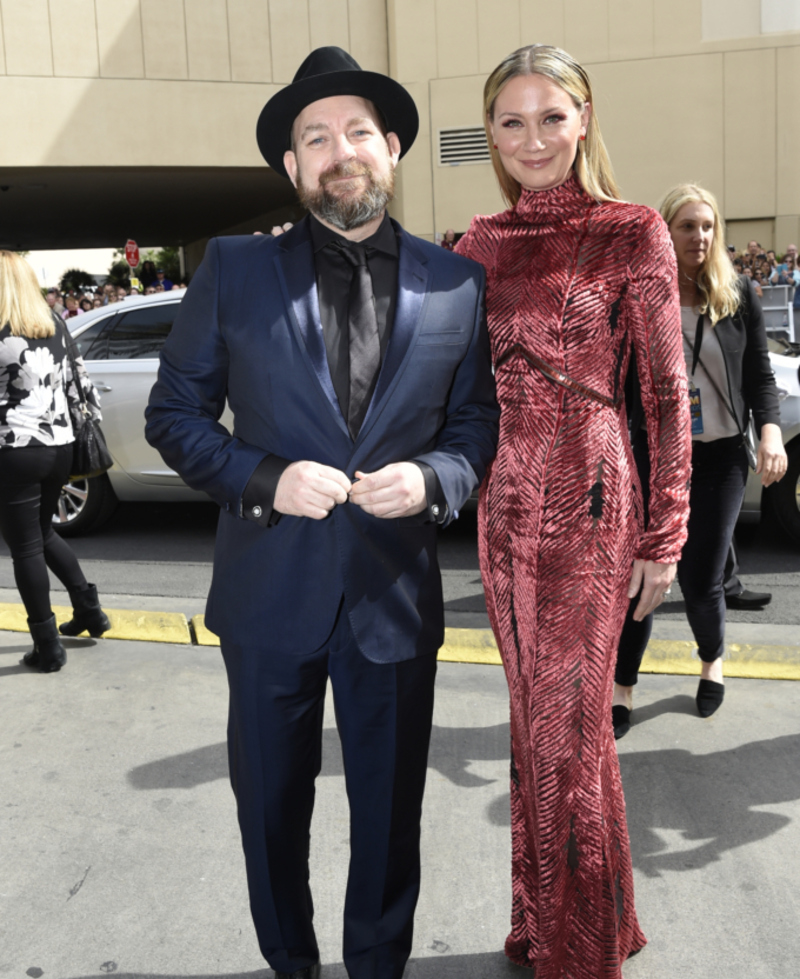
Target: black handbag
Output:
[(90, 455)]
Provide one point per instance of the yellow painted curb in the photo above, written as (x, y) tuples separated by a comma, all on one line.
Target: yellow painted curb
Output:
[(203, 636), (745, 660), (749, 661), (759, 662), (469, 646), (125, 623)]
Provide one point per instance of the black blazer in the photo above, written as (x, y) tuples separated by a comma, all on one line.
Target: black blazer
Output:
[(751, 380), (249, 332)]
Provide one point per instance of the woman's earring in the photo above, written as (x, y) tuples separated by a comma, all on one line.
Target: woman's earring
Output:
[(495, 145), (582, 136)]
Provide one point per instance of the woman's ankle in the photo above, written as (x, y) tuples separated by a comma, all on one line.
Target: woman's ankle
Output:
[(712, 671), (623, 697)]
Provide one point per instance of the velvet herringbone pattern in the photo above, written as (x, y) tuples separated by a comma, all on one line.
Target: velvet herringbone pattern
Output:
[(574, 282)]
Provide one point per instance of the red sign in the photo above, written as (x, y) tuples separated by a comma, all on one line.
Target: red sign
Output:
[(131, 253)]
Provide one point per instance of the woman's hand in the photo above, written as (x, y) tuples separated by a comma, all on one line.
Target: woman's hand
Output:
[(771, 461), (654, 580)]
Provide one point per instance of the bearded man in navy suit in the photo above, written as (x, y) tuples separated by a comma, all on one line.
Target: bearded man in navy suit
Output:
[(356, 363)]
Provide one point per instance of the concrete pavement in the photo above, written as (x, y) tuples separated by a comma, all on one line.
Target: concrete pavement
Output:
[(120, 854)]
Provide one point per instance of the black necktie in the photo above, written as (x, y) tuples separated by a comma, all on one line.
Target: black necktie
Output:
[(365, 347)]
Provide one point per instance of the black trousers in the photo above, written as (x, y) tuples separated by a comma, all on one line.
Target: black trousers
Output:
[(730, 577), (384, 714), (719, 474), (31, 478)]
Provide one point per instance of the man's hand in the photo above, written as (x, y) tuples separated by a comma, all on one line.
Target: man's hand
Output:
[(309, 489), (654, 581), (397, 490)]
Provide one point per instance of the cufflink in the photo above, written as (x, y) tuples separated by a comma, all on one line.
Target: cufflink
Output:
[(256, 511), (435, 509)]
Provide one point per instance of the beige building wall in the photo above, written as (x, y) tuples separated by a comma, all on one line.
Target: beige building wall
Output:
[(684, 89), (159, 82)]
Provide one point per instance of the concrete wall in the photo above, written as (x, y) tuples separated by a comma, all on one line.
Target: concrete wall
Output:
[(160, 82), (684, 89)]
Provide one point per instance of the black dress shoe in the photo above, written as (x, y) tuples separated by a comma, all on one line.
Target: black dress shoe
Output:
[(621, 719), (709, 697), (310, 972), (748, 601)]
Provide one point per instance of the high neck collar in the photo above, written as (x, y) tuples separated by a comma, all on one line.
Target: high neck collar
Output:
[(563, 201)]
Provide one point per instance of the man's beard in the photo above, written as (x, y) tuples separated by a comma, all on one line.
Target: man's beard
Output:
[(350, 209)]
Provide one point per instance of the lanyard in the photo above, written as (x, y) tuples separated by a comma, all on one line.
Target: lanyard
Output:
[(698, 343)]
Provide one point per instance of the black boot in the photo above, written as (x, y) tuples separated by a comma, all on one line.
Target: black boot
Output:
[(47, 655), (87, 616)]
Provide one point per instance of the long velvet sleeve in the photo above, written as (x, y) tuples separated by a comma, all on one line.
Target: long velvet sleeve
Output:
[(654, 323)]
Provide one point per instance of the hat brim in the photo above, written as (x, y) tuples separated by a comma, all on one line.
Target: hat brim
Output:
[(274, 129)]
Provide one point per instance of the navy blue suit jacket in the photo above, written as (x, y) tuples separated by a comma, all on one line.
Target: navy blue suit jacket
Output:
[(249, 330)]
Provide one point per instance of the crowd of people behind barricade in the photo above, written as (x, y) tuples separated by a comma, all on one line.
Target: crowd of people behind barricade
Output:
[(766, 268), (71, 303)]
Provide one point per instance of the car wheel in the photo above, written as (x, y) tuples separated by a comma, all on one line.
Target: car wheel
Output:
[(784, 497), (84, 505)]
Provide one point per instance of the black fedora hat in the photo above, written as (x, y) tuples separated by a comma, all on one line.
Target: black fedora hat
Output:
[(327, 72)]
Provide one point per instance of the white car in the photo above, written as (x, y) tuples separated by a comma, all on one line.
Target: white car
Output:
[(782, 498), (120, 345)]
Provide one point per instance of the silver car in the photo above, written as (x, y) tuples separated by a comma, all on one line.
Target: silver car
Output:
[(783, 498), (120, 345)]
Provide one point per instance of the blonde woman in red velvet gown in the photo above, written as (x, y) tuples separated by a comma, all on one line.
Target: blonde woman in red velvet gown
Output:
[(575, 278)]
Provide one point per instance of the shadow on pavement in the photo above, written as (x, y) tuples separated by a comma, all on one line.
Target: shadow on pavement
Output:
[(685, 810), (679, 703), (452, 751), (481, 965)]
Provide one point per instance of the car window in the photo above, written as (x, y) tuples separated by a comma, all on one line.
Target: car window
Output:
[(90, 343), (139, 333)]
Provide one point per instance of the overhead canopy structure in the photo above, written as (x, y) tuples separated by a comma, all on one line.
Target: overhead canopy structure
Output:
[(93, 207)]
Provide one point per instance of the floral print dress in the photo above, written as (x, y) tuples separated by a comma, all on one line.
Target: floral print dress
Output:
[(36, 388)]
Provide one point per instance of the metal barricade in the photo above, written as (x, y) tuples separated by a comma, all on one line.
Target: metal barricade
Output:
[(778, 310)]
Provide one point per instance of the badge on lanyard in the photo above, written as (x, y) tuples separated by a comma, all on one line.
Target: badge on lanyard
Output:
[(695, 402), (695, 409)]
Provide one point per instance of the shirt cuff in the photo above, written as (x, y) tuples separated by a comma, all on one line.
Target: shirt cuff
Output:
[(258, 498), (436, 504)]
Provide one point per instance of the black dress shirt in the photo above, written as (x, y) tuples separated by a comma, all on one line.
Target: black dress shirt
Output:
[(333, 274)]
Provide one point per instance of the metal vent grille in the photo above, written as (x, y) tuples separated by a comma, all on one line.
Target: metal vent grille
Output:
[(460, 146)]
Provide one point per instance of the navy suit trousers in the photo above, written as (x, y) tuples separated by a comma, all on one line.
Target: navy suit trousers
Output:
[(384, 714)]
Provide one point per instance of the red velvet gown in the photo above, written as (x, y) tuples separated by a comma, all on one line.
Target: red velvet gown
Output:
[(571, 284)]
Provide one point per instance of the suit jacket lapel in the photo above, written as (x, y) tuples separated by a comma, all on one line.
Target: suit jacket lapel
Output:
[(412, 285), (294, 264)]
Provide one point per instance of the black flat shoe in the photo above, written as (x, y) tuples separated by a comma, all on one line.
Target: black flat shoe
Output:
[(709, 697), (748, 601), (621, 719)]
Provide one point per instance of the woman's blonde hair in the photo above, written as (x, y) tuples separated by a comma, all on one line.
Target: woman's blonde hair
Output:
[(592, 165), (717, 279), (21, 304)]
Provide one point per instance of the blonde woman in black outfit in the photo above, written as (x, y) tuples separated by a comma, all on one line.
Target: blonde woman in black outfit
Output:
[(730, 378), (36, 386)]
